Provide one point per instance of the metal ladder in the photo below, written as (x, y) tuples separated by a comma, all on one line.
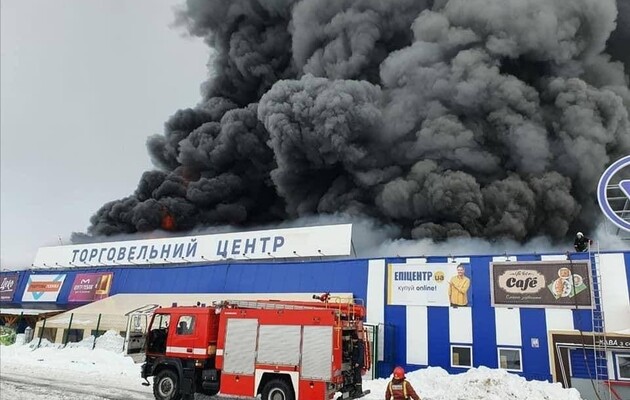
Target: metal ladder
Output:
[(600, 345)]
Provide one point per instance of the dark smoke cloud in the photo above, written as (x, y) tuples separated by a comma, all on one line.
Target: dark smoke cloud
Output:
[(445, 118)]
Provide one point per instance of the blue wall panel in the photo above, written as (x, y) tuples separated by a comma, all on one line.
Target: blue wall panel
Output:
[(396, 317), (535, 360), (534, 325), (349, 276), (483, 320), (438, 334)]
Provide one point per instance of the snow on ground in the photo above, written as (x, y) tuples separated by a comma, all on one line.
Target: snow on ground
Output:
[(476, 384), (96, 374), (78, 372)]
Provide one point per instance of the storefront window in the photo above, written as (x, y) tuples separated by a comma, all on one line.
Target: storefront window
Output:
[(461, 356), (510, 359), (623, 366)]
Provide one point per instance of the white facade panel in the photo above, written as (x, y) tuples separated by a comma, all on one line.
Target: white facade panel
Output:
[(279, 344), (507, 320), (614, 292), (508, 325), (460, 325), (375, 302), (417, 335)]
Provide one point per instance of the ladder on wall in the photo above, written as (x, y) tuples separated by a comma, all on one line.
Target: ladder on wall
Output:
[(600, 346)]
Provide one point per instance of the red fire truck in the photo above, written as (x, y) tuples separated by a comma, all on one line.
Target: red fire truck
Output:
[(276, 350)]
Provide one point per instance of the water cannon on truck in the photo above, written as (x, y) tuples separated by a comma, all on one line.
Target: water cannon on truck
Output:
[(268, 349)]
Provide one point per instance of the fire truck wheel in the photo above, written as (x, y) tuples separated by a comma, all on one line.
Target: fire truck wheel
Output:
[(166, 385), (277, 389)]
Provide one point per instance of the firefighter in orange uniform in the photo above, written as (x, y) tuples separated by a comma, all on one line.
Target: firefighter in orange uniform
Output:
[(399, 389)]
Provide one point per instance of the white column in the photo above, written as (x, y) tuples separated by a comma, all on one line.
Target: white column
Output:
[(417, 335), (614, 292), (507, 320), (375, 301)]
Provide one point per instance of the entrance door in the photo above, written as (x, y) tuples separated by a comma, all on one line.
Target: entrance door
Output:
[(372, 336)]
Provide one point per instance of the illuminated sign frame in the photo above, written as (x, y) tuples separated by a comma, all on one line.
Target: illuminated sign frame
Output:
[(602, 195)]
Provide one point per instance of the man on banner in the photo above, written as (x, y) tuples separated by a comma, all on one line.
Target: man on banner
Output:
[(458, 288)]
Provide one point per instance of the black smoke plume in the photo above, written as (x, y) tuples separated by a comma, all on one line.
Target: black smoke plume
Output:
[(446, 118)]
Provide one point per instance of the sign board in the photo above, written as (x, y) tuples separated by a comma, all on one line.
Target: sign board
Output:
[(43, 288), (329, 240), (90, 287), (428, 284), (8, 284), (623, 188), (549, 284)]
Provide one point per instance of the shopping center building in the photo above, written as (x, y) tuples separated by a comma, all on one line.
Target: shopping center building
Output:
[(557, 317)]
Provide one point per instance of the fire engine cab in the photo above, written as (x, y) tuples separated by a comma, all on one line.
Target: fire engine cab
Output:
[(275, 350)]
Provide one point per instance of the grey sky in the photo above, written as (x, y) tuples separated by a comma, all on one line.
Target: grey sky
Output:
[(83, 83)]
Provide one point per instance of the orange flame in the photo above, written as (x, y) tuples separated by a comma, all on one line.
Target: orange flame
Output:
[(168, 222)]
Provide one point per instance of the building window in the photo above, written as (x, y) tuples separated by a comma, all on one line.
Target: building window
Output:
[(623, 367), (185, 325), (73, 335), (461, 356), (510, 359), (100, 332), (47, 333)]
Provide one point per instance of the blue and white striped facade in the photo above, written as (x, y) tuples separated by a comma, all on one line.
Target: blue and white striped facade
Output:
[(424, 334), (415, 336)]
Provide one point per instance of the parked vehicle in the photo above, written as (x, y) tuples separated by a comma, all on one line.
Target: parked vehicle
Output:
[(278, 350)]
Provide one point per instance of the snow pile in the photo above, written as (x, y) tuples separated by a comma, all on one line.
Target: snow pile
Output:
[(476, 384), (111, 369), (79, 362), (110, 341)]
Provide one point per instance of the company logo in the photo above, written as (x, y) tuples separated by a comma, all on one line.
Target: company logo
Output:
[(602, 192), (7, 284), (522, 281)]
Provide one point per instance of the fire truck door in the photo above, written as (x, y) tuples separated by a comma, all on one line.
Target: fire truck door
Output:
[(186, 334), (240, 346)]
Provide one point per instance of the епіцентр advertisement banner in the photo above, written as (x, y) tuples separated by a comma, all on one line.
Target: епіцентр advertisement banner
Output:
[(429, 284)]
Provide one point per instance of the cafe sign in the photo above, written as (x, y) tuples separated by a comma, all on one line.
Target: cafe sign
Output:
[(548, 284)]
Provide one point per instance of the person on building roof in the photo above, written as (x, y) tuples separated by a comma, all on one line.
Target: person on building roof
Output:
[(581, 242), (399, 388)]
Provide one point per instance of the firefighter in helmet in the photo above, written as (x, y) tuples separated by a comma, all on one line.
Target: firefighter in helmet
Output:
[(399, 388), (581, 242)]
